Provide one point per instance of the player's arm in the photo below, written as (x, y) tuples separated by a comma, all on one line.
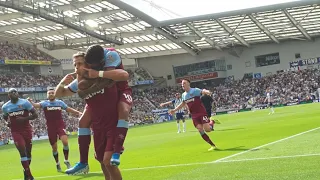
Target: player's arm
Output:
[(69, 109), (207, 92), (166, 103), (112, 60), (64, 88), (5, 116), (35, 105), (28, 106), (181, 105), (73, 111)]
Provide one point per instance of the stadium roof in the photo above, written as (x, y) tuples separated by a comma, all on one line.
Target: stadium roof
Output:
[(75, 24)]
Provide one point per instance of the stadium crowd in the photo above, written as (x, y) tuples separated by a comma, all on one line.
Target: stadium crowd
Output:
[(18, 52)]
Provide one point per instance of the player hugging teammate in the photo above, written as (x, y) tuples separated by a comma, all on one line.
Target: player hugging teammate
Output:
[(107, 107)]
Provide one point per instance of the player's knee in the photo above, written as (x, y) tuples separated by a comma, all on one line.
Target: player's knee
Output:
[(207, 128)]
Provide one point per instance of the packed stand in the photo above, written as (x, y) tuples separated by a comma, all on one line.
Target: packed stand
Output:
[(17, 52), (21, 79)]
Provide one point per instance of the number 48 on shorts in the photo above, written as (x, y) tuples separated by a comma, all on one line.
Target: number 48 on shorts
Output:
[(205, 119)]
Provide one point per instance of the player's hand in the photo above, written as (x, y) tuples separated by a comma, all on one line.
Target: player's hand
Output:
[(171, 112), (68, 78), (91, 73), (80, 114), (162, 104), (29, 99)]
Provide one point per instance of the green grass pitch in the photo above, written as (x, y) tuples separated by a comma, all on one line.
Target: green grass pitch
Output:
[(286, 146)]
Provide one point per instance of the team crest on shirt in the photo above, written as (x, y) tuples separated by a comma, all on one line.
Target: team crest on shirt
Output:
[(110, 58)]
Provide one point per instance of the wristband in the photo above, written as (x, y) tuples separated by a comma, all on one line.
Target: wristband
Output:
[(101, 74)]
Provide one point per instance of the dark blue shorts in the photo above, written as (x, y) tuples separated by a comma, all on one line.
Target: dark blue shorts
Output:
[(179, 116)]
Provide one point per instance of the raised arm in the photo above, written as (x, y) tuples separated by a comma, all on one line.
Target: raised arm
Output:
[(62, 90), (35, 105)]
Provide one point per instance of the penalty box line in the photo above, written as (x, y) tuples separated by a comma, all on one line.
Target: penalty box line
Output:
[(221, 160)]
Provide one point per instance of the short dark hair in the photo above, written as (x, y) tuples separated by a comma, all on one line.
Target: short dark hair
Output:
[(94, 54), (78, 54), (187, 80)]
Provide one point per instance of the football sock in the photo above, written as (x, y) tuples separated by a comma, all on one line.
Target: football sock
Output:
[(56, 156), (84, 140), (66, 152), (206, 138), (122, 129), (25, 165)]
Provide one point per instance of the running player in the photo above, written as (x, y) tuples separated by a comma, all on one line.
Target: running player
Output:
[(269, 100), (16, 113), (180, 112), (191, 97), (55, 125), (84, 133)]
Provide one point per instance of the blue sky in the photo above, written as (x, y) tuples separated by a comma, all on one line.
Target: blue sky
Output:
[(171, 9)]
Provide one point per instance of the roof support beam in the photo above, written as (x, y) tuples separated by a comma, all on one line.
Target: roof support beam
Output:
[(297, 25), (141, 15), (174, 40), (200, 34), (64, 21), (232, 32), (264, 29), (53, 46)]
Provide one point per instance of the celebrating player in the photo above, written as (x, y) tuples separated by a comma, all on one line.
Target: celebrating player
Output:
[(16, 114), (108, 59), (88, 114), (191, 98), (55, 125), (180, 112), (269, 100)]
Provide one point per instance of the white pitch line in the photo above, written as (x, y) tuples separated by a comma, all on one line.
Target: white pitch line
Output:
[(268, 144), (222, 160)]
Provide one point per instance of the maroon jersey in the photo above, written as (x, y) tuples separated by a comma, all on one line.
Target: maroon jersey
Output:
[(53, 112), (21, 108), (102, 105), (192, 98)]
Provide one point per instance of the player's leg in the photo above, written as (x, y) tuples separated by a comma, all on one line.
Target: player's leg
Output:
[(21, 147), (84, 140), (183, 123), (271, 108), (113, 170), (64, 140), (28, 141), (178, 124), (124, 108), (198, 123), (105, 171)]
